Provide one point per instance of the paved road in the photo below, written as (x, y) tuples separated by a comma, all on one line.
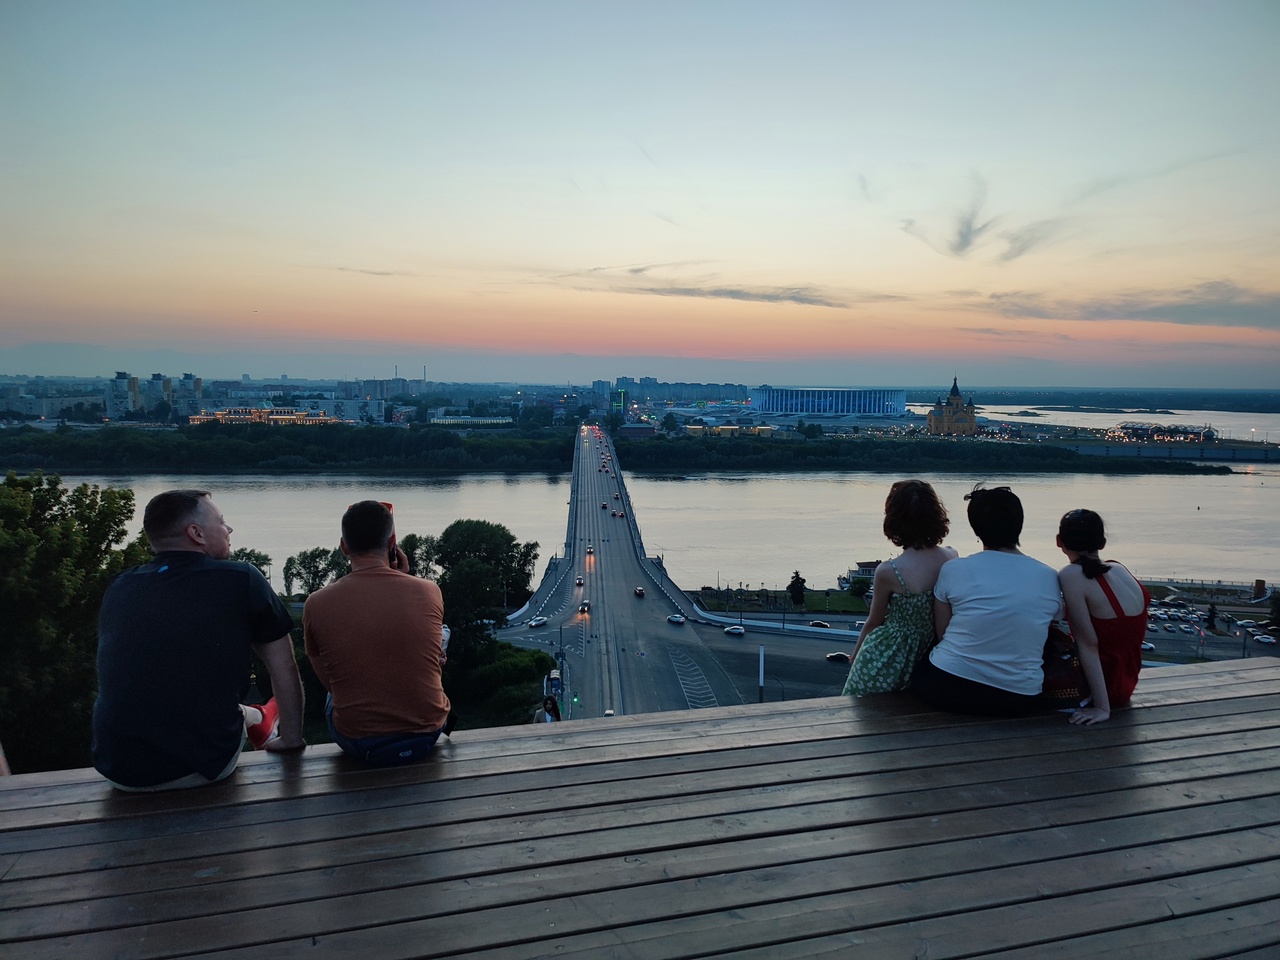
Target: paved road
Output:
[(622, 654)]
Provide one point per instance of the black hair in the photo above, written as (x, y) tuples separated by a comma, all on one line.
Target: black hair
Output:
[(1083, 532), (914, 516), (366, 526), (995, 514), (168, 513)]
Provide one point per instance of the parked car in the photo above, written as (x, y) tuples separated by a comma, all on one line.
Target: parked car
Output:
[(820, 623), (1153, 627), (839, 657), (538, 622), (675, 618), (1188, 628), (735, 630)]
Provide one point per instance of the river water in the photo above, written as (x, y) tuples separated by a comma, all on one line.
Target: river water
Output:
[(757, 529)]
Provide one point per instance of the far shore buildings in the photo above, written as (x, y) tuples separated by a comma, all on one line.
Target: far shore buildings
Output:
[(955, 418)]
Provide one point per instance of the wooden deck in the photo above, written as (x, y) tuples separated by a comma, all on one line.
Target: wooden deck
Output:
[(817, 828)]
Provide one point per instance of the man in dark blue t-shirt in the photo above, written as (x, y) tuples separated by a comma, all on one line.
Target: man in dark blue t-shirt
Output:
[(174, 641)]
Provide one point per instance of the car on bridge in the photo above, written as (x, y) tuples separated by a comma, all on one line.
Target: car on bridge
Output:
[(820, 623), (735, 630), (590, 548), (584, 606), (578, 581), (839, 657), (675, 618), (639, 591), (538, 622)]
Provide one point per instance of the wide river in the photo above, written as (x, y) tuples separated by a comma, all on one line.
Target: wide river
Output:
[(729, 529)]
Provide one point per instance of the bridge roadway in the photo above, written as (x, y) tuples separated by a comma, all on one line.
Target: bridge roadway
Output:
[(622, 654)]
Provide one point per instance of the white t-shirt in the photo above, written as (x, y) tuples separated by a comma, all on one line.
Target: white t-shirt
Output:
[(1001, 608)]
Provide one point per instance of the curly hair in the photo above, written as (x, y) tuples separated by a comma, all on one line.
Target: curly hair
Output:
[(914, 516)]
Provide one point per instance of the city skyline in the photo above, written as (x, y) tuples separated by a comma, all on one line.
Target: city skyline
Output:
[(810, 194)]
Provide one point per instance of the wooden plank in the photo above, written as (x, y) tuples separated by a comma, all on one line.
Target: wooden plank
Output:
[(648, 782), (885, 808), (1243, 932), (662, 800), (240, 789), (966, 915), (998, 909), (628, 843), (874, 855)]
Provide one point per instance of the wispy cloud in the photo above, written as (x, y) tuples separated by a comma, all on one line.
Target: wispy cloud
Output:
[(1217, 303), (806, 296), (1025, 239), (373, 273), (968, 230), (972, 230), (1102, 185), (672, 279)]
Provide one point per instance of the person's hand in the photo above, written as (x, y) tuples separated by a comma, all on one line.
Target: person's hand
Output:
[(400, 561), (1090, 715), (281, 745)]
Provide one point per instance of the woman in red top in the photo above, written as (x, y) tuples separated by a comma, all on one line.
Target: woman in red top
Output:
[(1107, 608)]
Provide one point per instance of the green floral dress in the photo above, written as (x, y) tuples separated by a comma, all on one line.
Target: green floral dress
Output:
[(890, 652)]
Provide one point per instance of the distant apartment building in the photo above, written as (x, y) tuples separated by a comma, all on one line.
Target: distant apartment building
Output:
[(829, 401)]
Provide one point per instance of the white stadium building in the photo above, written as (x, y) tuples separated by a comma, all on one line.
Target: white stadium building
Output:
[(830, 401)]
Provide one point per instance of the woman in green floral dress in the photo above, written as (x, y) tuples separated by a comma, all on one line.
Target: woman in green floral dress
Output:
[(899, 627)]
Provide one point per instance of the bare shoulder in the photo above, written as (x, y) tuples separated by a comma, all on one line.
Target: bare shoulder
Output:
[(1072, 575)]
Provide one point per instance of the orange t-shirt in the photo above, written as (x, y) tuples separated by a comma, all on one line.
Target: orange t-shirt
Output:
[(374, 642)]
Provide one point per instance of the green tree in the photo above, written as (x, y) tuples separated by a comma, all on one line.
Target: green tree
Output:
[(484, 569), (256, 557), (59, 549), (670, 423), (510, 563), (795, 589), (859, 586), (312, 569), (421, 551)]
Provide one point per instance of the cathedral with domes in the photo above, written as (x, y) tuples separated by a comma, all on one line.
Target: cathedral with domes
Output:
[(955, 418)]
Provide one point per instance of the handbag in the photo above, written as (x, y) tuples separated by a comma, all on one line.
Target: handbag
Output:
[(1065, 685)]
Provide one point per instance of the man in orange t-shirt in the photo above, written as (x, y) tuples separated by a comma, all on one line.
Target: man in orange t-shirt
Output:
[(374, 639)]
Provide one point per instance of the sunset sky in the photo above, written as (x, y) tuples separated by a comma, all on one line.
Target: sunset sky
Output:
[(845, 193)]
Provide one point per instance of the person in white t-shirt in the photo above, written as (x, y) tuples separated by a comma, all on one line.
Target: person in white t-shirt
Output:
[(992, 612)]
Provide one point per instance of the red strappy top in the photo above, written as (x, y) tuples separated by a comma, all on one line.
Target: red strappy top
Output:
[(1120, 645)]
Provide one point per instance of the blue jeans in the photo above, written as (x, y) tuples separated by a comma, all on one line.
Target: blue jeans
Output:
[(384, 750)]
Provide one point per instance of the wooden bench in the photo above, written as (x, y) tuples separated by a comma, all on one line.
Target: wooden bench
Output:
[(814, 828)]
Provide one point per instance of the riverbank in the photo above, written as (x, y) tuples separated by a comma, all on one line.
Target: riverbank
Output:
[(224, 449)]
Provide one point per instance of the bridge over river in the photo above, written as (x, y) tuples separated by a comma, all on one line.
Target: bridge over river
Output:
[(617, 648)]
